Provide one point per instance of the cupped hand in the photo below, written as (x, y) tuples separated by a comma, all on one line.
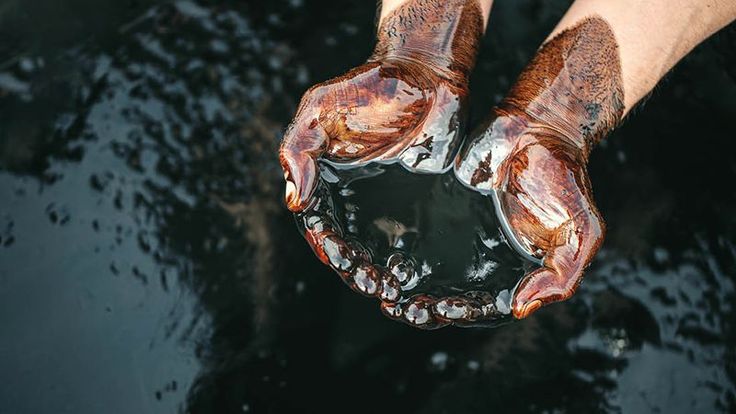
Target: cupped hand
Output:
[(531, 157), (405, 104), (428, 247), (389, 110), (383, 111), (540, 187)]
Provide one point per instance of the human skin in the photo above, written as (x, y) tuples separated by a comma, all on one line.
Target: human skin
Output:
[(388, 6), (652, 35), (406, 104), (531, 154), (542, 190)]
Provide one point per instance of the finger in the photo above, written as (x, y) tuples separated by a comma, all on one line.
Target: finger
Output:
[(317, 222), (473, 308), (484, 151), (577, 242), (304, 142), (417, 311), (428, 312), (345, 256), (390, 287), (324, 235), (434, 145)]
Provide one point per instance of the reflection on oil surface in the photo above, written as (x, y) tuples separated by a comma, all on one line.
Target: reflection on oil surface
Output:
[(436, 245), (147, 263), (449, 232)]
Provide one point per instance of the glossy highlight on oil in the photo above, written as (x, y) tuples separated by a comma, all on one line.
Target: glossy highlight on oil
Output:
[(428, 247)]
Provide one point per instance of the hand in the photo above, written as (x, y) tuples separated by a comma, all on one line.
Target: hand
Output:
[(436, 254), (385, 110), (348, 257), (406, 104), (531, 157)]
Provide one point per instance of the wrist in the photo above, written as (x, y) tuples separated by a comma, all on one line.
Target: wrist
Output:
[(573, 86), (652, 35), (441, 35)]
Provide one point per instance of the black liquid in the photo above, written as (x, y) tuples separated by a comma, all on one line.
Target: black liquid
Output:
[(449, 234)]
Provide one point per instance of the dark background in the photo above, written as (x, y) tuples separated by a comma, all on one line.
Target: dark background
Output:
[(147, 264)]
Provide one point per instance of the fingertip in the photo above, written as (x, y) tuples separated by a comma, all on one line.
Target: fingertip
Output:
[(364, 279), (390, 287), (297, 200), (301, 175), (419, 313), (523, 310), (291, 196), (392, 310)]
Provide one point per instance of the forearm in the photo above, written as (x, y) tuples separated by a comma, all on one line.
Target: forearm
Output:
[(652, 35), (387, 6), (442, 34)]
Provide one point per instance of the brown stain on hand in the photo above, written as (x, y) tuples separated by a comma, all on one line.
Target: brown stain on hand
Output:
[(533, 153), (406, 103), (574, 84)]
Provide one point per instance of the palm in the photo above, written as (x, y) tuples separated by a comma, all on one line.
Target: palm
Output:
[(383, 112), (388, 111), (541, 188)]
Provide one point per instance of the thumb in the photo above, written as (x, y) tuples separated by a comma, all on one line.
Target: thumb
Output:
[(303, 144)]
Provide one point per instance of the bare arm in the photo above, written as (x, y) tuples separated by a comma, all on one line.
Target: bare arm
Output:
[(405, 104), (602, 58), (652, 35), (387, 6)]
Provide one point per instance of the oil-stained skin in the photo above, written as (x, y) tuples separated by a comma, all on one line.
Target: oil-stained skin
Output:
[(532, 155), (406, 103)]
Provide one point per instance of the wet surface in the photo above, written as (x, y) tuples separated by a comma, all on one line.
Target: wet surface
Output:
[(147, 263)]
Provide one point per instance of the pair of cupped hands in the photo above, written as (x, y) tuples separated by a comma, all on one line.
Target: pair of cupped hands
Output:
[(401, 108)]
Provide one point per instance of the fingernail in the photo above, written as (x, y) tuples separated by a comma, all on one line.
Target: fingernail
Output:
[(390, 288), (453, 309), (527, 309), (292, 201), (365, 279)]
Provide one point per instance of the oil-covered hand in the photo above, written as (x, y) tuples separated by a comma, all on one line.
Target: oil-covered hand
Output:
[(405, 104), (531, 157)]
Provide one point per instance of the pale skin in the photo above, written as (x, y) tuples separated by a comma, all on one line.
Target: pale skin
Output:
[(648, 50), (388, 6)]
